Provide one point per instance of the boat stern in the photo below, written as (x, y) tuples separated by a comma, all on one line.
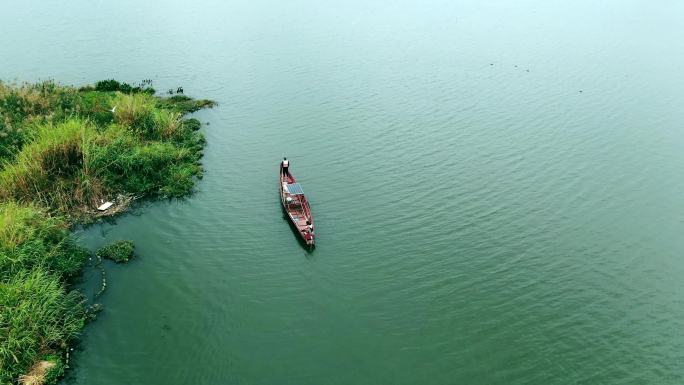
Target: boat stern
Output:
[(310, 240)]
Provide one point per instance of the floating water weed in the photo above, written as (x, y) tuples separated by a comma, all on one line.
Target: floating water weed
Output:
[(118, 251)]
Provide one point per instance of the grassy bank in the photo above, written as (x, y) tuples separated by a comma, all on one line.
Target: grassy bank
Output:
[(64, 151)]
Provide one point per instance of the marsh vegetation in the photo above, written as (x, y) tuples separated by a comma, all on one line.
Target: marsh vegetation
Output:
[(63, 151)]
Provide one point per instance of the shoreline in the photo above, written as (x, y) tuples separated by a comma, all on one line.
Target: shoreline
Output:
[(68, 157)]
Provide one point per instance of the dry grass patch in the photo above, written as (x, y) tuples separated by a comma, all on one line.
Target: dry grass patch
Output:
[(37, 374)]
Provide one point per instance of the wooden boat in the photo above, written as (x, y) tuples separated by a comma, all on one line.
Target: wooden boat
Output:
[(296, 207)]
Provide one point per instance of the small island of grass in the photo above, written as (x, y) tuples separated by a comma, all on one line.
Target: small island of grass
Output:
[(118, 251), (64, 151)]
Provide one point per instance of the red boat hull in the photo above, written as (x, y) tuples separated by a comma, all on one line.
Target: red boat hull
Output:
[(297, 209)]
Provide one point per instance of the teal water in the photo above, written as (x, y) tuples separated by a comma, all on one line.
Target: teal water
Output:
[(497, 190)]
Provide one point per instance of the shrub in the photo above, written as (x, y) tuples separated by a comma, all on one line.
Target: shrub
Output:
[(192, 124), (108, 85), (113, 85)]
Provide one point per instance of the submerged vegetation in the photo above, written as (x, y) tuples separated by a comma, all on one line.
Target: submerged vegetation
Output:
[(64, 151)]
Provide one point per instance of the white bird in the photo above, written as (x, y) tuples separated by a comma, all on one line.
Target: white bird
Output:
[(113, 109)]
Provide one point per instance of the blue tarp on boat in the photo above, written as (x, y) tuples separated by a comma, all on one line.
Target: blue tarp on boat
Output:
[(295, 189)]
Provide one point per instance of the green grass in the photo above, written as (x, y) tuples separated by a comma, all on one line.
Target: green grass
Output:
[(57, 371), (31, 238), (39, 315), (63, 151), (74, 148), (50, 169)]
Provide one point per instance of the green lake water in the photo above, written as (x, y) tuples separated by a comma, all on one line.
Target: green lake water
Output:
[(498, 190)]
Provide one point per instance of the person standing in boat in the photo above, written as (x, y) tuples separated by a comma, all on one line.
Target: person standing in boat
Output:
[(285, 165)]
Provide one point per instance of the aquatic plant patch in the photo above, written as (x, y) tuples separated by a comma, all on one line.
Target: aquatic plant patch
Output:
[(117, 251)]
